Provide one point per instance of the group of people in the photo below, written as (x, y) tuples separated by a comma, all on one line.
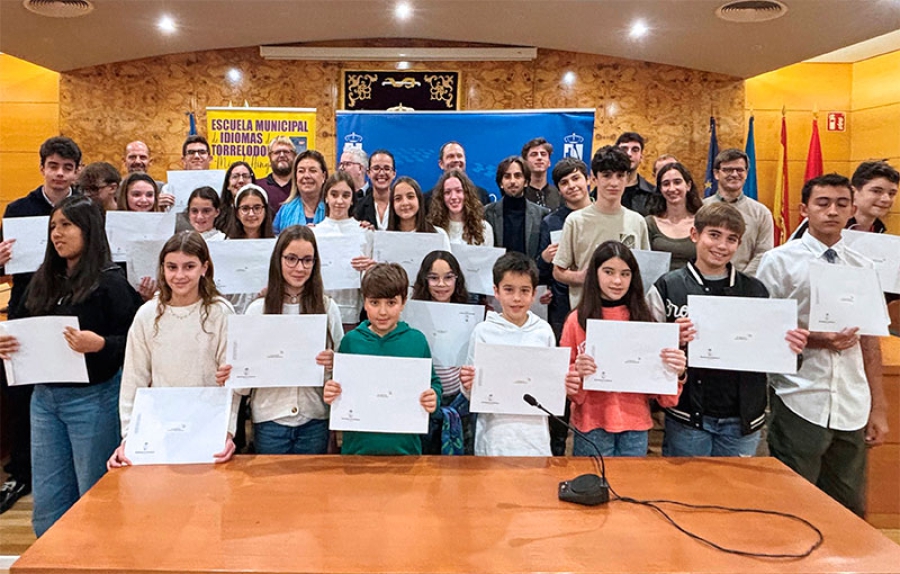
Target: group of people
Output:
[(576, 235)]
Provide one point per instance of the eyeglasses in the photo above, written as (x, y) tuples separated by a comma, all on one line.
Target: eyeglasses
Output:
[(292, 260), (346, 164), (247, 209), (282, 152), (239, 176), (96, 188), (381, 168), (734, 170), (197, 152), (438, 279), (207, 211)]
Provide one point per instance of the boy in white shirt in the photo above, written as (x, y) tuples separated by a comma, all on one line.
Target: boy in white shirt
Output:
[(515, 280)]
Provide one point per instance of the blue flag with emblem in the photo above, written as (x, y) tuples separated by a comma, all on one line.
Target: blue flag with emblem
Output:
[(750, 188), (710, 185)]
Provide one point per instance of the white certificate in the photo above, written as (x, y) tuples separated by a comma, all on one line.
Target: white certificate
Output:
[(627, 357), (142, 259), (407, 249), (182, 183), (380, 394), (447, 326), (653, 265), (505, 373), (477, 263), (275, 350), (30, 247), (125, 226), (842, 296), (178, 425), (742, 334), (335, 253), (44, 355), (555, 235), (884, 250), (241, 265)]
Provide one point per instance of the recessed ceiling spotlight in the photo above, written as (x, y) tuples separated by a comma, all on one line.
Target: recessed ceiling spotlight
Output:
[(403, 11), (568, 78), (234, 75), (166, 24), (638, 29), (402, 65)]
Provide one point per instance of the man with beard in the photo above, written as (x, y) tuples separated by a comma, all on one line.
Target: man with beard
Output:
[(453, 156), (515, 220), (278, 183), (730, 170), (536, 154)]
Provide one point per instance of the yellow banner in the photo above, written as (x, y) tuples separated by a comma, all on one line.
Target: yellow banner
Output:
[(243, 134)]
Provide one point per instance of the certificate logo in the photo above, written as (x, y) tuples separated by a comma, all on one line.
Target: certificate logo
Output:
[(350, 417)]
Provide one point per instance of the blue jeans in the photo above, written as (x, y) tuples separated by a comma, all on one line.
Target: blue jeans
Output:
[(74, 430), (718, 437), (625, 443), (273, 438)]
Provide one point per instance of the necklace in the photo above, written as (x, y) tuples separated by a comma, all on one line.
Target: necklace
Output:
[(292, 299)]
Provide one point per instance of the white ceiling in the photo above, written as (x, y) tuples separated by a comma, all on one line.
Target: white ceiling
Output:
[(683, 32)]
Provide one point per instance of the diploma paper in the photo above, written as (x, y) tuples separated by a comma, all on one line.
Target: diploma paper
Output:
[(335, 253), (125, 226), (180, 425), (653, 265), (30, 247), (627, 357), (380, 394), (407, 249), (241, 265), (447, 326), (142, 259), (505, 373), (884, 250), (275, 350), (183, 182), (555, 235), (477, 263), (842, 296), (742, 334), (44, 355)]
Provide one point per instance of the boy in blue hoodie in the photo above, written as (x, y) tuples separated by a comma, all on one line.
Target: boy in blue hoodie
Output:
[(384, 289)]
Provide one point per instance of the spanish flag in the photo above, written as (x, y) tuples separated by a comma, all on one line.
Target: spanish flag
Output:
[(781, 208)]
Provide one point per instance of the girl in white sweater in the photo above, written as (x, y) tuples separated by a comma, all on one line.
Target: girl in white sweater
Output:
[(178, 338), (294, 420)]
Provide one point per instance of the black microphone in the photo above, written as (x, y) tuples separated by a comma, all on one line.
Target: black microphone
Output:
[(587, 489)]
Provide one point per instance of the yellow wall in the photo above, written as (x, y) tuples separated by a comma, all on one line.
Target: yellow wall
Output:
[(867, 92), (29, 114), (875, 116)]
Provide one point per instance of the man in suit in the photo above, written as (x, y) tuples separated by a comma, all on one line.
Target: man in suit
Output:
[(515, 220)]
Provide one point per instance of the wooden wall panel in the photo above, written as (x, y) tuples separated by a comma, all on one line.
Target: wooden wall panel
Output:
[(105, 107)]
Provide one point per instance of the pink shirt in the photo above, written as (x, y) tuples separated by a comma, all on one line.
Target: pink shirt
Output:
[(612, 412)]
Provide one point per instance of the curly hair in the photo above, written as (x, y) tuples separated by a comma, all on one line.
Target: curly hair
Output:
[(473, 211)]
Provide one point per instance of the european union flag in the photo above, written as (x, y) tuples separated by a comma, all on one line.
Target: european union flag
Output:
[(710, 185), (750, 187)]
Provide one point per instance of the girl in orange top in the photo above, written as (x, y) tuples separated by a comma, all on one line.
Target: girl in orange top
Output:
[(617, 422)]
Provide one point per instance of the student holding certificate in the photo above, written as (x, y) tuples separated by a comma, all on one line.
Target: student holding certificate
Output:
[(75, 426), (407, 212), (456, 208), (178, 338), (617, 422), (294, 420)]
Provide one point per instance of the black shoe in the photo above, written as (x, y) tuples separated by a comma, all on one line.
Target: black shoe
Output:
[(11, 491)]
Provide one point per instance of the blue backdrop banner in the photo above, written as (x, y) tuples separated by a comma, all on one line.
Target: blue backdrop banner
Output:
[(488, 137)]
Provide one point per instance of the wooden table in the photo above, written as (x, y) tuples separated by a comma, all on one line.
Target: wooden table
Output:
[(445, 514)]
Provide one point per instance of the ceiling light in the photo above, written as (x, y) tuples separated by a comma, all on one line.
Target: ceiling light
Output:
[(402, 65), (639, 29), (403, 11), (568, 78), (234, 75), (166, 24)]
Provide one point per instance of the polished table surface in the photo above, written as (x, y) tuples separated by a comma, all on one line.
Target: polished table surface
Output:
[(446, 514)]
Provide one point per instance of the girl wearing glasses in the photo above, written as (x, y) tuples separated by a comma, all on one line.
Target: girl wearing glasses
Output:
[(178, 338), (338, 192), (294, 420), (237, 176), (304, 206), (252, 219), (203, 209)]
